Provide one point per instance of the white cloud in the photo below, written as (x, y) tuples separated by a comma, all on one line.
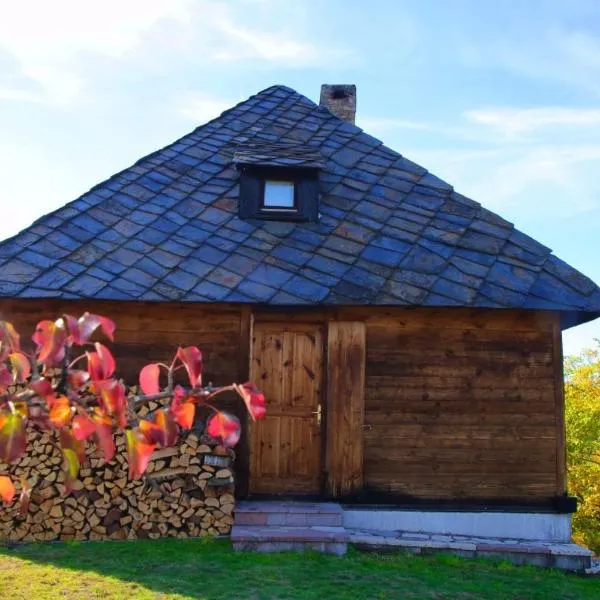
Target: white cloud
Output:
[(550, 48), (244, 43), (46, 38), (513, 122), (53, 51)]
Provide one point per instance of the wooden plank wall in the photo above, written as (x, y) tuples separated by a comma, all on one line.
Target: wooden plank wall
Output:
[(345, 407), (149, 332), (463, 404)]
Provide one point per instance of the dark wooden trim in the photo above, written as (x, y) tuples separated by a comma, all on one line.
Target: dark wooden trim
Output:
[(242, 463), (368, 498), (252, 187), (559, 397), (346, 359)]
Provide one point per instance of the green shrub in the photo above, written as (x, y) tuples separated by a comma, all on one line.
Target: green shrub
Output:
[(582, 390)]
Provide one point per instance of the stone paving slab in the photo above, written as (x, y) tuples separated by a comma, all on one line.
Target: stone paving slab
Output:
[(545, 554)]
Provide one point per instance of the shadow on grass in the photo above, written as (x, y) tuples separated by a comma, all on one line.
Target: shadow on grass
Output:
[(210, 570)]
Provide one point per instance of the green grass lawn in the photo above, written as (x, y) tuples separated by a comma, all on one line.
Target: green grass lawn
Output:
[(210, 570)]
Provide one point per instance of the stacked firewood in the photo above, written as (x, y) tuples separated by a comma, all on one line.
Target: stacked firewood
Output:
[(187, 491)]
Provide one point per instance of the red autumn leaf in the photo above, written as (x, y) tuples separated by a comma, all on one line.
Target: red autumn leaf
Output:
[(101, 364), (139, 452), (82, 329), (191, 357), (224, 427), (83, 427), (21, 367), (9, 340), (50, 338), (183, 408), (162, 429), (25, 496), (42, 387), (78, 378), (113, 400), (61, 411), (104, 433), (149, 379), (254, 400), (13, 439), (7, 489)]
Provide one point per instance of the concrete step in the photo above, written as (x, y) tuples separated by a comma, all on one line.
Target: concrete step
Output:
[(332, 540), (293, 514)]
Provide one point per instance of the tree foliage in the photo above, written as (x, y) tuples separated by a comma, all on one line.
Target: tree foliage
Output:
[(582, 389), (67, 384)]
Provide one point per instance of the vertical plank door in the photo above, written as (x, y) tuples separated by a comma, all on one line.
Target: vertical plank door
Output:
[(285, 447)]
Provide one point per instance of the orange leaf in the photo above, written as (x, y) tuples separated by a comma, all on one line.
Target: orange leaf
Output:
[(149, 379), (161, 430), (191, 358), (20, 365), (113, 400), (7, 489), (139, 452), (184, 414), (224, 427), (183, 410), (254, 400), (13, 440), (61, 412), (50, 338)]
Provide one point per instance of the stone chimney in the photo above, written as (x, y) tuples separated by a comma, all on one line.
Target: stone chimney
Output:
[(340, 100)]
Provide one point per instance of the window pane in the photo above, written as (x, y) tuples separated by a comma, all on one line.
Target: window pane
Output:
[(279, 194)]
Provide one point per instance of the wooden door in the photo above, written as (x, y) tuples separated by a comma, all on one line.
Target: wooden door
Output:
[(285, 447)]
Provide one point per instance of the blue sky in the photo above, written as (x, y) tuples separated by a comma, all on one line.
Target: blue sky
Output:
[(501, 99)]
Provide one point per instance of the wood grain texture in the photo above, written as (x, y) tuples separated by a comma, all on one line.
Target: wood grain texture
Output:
[(242, 463), (285, 455), (346, 355), (461, 404)]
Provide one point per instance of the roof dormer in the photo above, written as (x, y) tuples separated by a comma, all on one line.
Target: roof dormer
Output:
[(278, 181)]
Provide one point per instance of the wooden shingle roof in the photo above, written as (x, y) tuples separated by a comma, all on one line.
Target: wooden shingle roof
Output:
[(389, 232)]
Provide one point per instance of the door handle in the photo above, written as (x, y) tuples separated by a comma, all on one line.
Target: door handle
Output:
[(318, 413)]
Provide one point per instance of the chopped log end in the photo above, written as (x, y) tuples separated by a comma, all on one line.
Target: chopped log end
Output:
[(186, 492)]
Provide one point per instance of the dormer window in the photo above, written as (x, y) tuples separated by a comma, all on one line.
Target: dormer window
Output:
[(279, 195), (279, 181)]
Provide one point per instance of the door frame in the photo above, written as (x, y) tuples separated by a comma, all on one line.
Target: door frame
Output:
[(279, 325)]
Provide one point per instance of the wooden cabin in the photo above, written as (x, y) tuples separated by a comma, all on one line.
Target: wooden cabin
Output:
[(408, 340)]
